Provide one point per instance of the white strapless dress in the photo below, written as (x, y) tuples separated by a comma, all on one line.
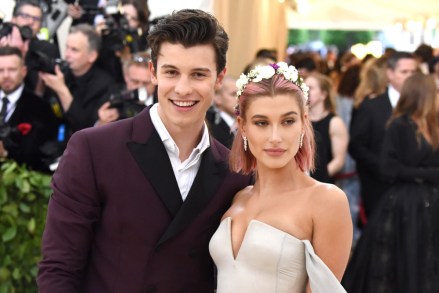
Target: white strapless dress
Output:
[(269, 260)]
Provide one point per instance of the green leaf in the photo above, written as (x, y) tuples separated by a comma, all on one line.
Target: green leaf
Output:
[(16, 274), (24, 208), (8, 178), (3, 194), (4, 274), (31, 196), (9, 234), (9, 167), (31, 226), (10, 209)]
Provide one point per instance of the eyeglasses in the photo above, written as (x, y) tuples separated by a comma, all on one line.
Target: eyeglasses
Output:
[(28, 16)]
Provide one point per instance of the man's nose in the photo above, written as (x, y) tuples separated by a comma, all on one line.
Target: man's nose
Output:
[(182, 88)]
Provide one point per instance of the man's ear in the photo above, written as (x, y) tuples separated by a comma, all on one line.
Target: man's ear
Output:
[(92, 56), (220, 78), (24, 70), (153, 73)]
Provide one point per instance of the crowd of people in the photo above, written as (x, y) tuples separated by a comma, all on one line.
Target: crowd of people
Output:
[(313, 160)]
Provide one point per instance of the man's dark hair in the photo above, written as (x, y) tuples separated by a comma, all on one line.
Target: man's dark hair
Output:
[(393, 59), (267, 53), (8, 51), (190, 27), (306, 62), (21, 3)]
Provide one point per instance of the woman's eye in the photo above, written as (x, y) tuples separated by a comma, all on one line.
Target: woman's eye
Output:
[(260, 123), (289, 121)]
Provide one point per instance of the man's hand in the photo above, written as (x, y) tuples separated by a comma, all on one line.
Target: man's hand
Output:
[(56, 83), (3, 151), (74, 10), (14, 40), (107, 114)]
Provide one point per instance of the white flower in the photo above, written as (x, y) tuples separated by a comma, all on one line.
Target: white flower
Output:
[(242, 81), (291, 74), (254, 75), (266, 72), (283, 66)]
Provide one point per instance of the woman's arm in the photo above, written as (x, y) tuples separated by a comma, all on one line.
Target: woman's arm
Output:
[(339, 136), (332, 228)]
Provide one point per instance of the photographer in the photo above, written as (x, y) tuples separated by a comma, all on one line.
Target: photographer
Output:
[(80, 96), (137, 76), (28, 13), (124, 29), (26, 121)]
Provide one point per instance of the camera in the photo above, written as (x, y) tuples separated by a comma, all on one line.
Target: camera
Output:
[(129, 103), (39, 61), (117, 33), (6, 30)]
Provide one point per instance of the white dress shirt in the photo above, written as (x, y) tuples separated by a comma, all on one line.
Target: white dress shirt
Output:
[(185, 171), (393, 96)]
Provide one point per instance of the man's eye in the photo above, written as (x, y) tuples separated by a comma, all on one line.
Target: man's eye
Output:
[(171, 73), (199, 75)]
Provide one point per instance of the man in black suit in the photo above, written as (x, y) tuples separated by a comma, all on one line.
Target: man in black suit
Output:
[(29, 13), (368, 128), (26, 121), (221, 116)]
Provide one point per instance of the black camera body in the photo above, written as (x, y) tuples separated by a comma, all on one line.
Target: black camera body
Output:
[(117, 35), (128, 103), (6, 30), (39, 61)]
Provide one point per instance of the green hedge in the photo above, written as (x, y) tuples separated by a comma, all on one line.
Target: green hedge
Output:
[(23, 203)]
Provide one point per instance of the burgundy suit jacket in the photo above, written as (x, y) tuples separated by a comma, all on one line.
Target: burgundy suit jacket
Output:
[(116, 221)]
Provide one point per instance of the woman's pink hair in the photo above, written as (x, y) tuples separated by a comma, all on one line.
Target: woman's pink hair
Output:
[(244, 161)]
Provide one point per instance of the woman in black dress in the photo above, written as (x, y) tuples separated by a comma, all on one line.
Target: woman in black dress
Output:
[(330, 132), (399, 248)]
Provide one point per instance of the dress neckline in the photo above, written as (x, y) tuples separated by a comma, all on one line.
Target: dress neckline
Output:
[(229, 220)]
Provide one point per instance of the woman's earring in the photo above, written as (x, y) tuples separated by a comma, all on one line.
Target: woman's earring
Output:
[(245, 143), (301, 140)]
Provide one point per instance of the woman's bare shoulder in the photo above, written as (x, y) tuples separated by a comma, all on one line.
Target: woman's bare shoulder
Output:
[(327, 195), (243, 194)]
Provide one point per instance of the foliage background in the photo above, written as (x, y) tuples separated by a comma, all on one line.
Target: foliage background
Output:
[(23, 204), (342, 39)]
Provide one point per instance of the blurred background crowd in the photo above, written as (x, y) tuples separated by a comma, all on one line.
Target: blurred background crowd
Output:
[(53, 85)]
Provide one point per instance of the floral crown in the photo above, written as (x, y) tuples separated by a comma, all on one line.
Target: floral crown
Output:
[(268, 71)]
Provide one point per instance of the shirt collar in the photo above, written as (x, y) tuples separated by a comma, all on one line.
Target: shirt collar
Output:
[(393, 96), (227, 118), (14, 96), (166, 138)]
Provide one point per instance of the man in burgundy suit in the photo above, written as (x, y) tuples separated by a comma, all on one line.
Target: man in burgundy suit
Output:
[(136, 201)]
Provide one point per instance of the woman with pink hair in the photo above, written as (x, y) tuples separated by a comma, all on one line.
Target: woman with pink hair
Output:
[(287, 232)]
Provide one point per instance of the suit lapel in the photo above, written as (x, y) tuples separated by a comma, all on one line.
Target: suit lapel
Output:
[(154, 162), (210, 174)]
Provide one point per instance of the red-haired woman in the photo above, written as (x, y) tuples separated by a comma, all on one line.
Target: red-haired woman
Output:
[(287, 232)]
